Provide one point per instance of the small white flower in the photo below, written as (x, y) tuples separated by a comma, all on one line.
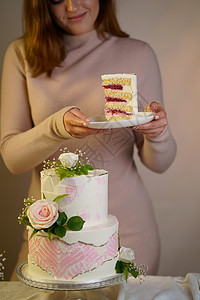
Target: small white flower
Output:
[(68, 160), (126, 255)]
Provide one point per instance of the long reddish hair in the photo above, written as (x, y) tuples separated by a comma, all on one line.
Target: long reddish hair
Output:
[(43, 39)]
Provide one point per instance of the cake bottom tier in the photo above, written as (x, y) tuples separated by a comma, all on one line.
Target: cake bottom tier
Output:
[(77, 261)]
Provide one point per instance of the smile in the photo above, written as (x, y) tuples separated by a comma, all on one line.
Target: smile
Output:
[(77, 17)]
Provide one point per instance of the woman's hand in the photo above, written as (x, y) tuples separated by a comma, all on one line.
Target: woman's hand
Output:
[(157, 125), (76, 124)]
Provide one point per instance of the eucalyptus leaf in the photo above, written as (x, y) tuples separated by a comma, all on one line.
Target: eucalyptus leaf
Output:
[(75, 223)]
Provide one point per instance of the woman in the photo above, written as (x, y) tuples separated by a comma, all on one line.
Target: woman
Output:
[(51, 84)]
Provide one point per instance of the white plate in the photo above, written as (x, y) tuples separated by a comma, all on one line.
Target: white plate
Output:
[(100, 122)]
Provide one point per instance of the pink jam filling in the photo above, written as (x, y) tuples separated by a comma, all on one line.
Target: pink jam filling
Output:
[(113, 86), (117, 112), (112, 99)]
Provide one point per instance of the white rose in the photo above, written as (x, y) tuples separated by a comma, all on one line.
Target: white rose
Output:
[(43, 213), (68, 160), (126, 255)]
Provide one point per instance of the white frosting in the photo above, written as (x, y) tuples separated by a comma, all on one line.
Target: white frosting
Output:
[(107, 269), (87, 198), (94, 235), (87, 194)]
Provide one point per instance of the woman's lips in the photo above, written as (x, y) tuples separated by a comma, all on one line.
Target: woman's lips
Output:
[(77, 17)]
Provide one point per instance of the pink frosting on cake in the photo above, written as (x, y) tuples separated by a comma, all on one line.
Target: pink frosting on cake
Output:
[(66, 261)]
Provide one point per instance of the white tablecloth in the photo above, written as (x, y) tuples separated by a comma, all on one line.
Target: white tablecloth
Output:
[(153, 288)]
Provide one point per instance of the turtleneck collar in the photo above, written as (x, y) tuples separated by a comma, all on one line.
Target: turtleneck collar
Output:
[(73, 42)]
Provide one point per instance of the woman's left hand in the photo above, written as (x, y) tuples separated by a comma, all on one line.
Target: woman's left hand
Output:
[(157, 125)]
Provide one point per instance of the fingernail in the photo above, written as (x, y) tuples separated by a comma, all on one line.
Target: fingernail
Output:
[(85, 124), (156, 117)]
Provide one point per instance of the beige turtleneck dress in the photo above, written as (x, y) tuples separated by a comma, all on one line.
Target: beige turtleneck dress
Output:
[(32, 128)]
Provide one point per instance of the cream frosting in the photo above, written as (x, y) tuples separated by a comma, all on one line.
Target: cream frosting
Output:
[(86, 194), (80, 255)]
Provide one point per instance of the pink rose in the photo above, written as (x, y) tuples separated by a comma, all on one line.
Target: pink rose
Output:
[(43, 213)]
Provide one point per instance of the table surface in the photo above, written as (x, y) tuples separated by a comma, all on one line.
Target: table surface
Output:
[(152, 288)]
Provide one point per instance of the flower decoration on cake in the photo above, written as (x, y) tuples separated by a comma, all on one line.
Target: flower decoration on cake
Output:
[(126, 254), (125, 264), (68, 160), (69, 165), (45, 215)]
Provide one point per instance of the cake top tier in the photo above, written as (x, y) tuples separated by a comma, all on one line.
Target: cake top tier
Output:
[(84, 189)]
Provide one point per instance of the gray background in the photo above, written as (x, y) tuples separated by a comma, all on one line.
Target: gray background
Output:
[(172, 29)]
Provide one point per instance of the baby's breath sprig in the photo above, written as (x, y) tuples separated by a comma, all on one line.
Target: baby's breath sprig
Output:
[(23, 216), (51, 164), (2, 259)]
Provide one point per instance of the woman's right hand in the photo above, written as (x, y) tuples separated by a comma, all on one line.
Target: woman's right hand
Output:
[(76, 123)]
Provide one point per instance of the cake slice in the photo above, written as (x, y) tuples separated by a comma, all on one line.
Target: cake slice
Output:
[(120, 96)]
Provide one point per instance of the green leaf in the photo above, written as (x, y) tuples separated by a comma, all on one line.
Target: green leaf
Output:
[(70, 172), (77, 172), (62, 219), (60, 231), (84, 170), (25, 221), (119, 245), (63, 173), (126, 273), (33, 233), (59, 197), (28, 201), (88, 167), (119, 267), (43, 195), (75, 223), (133, 272), (49, 231)]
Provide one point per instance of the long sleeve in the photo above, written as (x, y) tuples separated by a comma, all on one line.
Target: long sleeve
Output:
[(24, 145), (157, 153), (33, 130)]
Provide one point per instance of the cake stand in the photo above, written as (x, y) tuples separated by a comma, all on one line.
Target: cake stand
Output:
[(78, 287)]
